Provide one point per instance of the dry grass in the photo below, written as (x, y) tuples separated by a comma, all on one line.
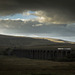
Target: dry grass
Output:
[(23, 66)]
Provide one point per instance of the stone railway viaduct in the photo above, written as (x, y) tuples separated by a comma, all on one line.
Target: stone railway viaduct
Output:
[(41, 53)]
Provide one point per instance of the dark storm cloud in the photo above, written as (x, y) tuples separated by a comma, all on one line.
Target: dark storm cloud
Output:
[(59, 10)]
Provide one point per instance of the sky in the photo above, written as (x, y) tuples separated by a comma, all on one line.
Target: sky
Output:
[(38, 18)]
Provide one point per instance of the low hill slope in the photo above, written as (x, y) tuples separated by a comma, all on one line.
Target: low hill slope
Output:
[(27, 41)]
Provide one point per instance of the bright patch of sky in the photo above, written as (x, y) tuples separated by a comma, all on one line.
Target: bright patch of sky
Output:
[(20, 16)]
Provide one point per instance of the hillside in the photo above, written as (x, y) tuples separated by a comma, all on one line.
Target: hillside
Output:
[(27, 41)]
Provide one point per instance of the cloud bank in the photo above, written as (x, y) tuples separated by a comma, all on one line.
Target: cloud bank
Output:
[(37, 28)]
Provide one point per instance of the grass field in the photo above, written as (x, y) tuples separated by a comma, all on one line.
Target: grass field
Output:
[(23, 66)]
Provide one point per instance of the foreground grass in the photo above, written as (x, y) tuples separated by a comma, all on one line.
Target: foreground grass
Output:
[(23, 66)]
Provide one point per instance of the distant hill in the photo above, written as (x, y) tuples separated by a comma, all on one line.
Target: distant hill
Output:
[(27, 41)]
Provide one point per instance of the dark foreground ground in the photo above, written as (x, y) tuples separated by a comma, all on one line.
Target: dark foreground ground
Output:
[(22, 66)]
